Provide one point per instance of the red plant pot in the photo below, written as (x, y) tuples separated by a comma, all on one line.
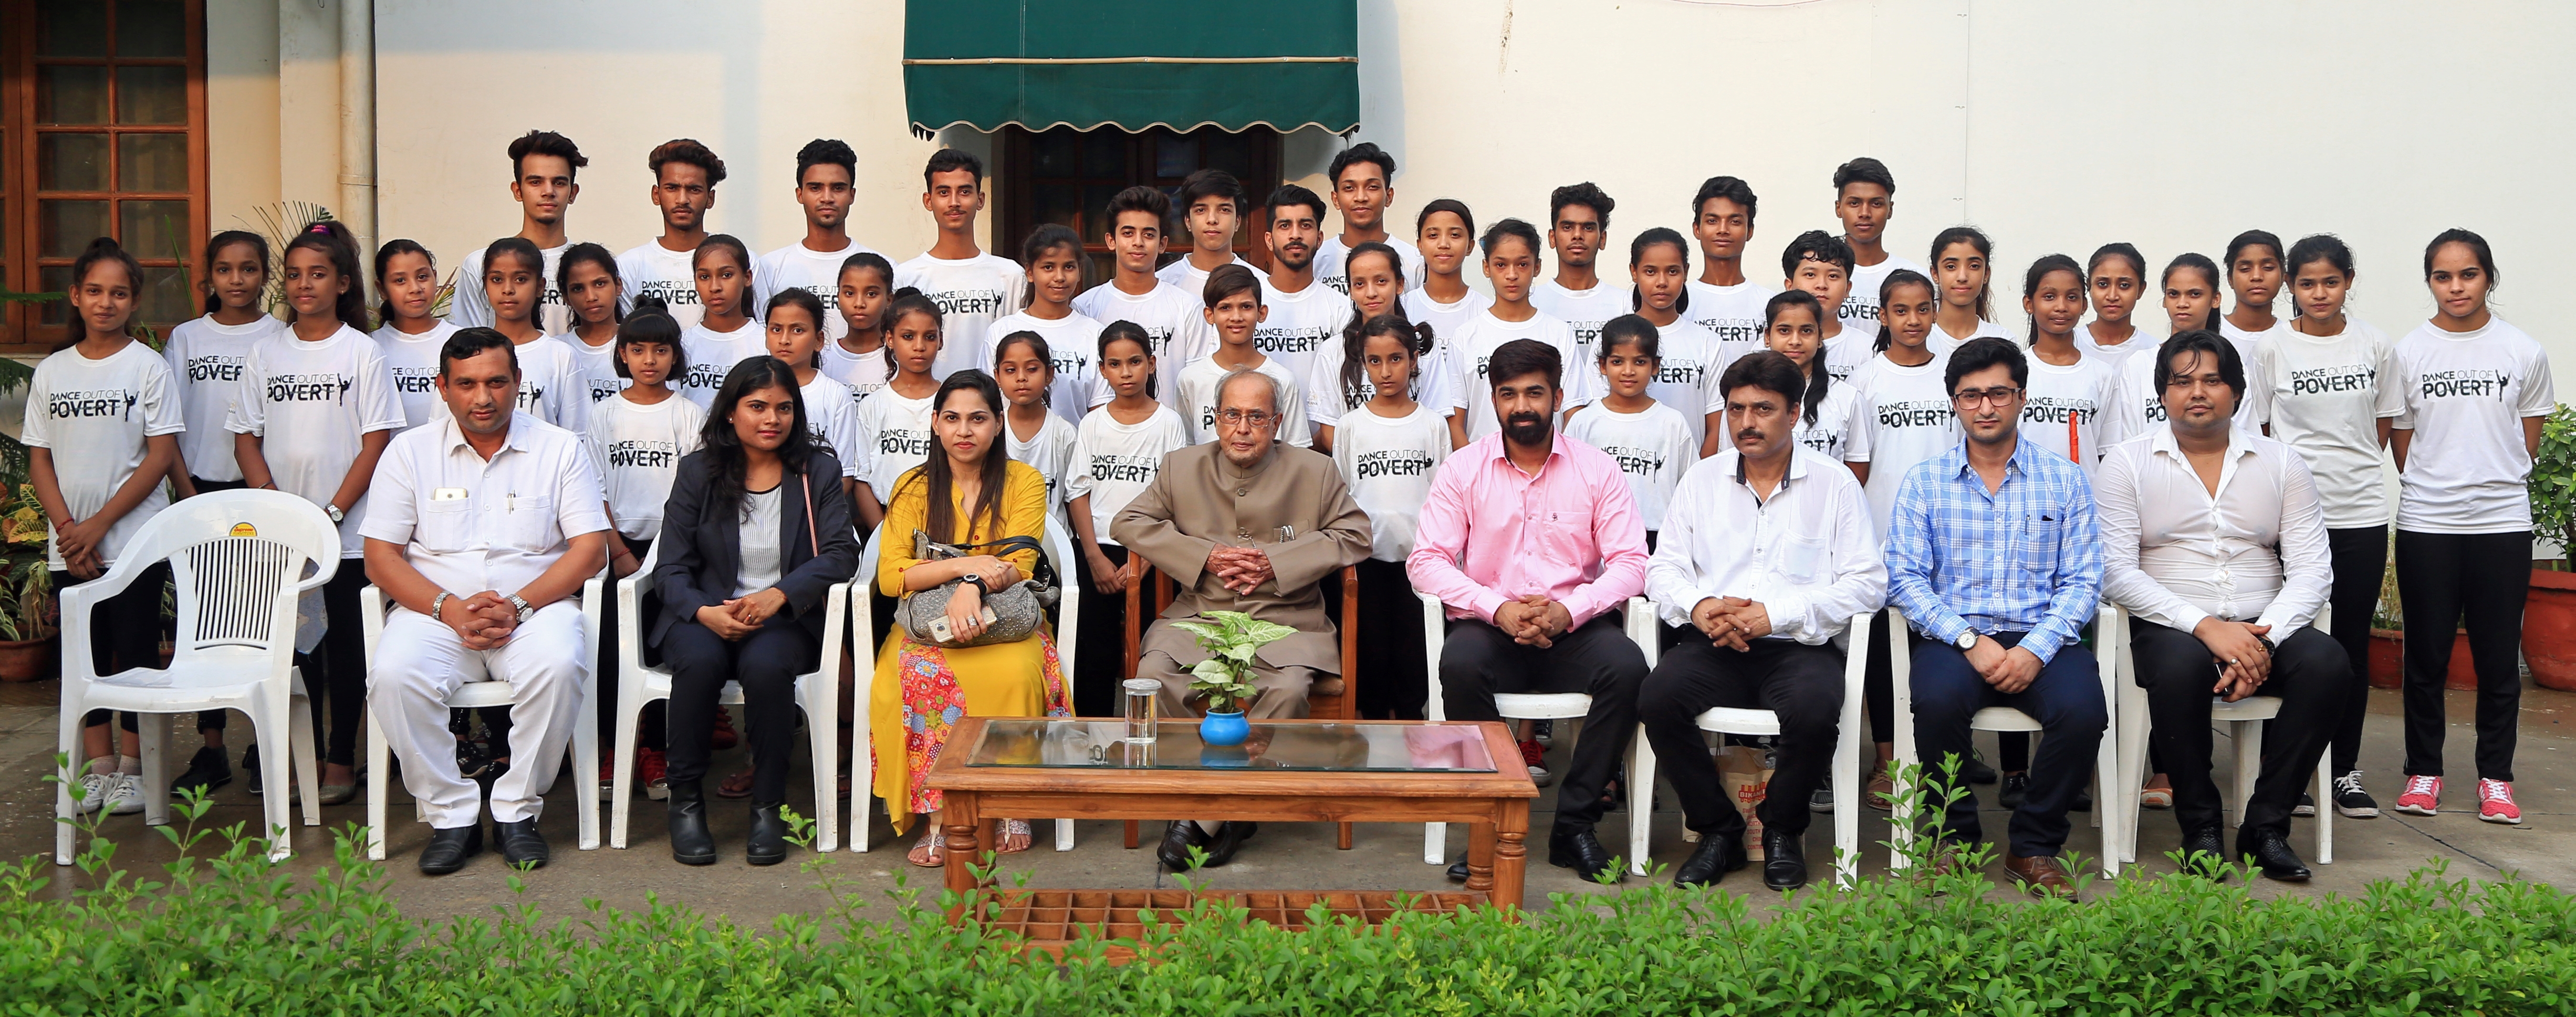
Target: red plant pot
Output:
[(2388, 661)]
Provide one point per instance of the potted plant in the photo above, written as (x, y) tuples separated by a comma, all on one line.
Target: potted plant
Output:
[(27, 632), (2549, 615), (1232, 639)]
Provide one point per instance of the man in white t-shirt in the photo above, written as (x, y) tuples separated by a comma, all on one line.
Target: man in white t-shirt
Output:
[(482, 528), (1302, 315), (1723, 300), (971, 287), (1211, 203), (685, 175), (1363, 179), (825, 170), (1578, 226), (1864, 198), (542, 167), (1174, 322)]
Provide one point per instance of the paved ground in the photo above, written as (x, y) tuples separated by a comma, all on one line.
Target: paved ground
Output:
[(1385, 857)]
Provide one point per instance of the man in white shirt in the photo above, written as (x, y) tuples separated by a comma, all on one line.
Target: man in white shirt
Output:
[(1864, 198), (1363, 185), (1302, 316), (2214, 542), (1211, 203), (1175, 324), (542, 168), (970, 287), (1723, 300), (483, 526), (1768, 552), (685, 175), (1578, 225), (825, 169)]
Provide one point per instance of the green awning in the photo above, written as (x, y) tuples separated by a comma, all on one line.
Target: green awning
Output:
[(1132, 64)]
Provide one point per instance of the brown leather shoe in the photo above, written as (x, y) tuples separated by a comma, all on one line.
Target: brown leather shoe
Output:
[(2042, 875)]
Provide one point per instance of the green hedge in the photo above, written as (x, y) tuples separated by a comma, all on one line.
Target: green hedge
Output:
[(226, 934)]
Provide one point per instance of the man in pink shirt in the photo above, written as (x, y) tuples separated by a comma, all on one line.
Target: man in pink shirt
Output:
[(1551, 548)]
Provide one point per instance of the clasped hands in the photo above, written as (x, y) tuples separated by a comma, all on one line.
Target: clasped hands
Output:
[(484, 621), (2243, 660), (1731, 621), (77, 541), (735, 620), (1533, 620), (1241, 569)]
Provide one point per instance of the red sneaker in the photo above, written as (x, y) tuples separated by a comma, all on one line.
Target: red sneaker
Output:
[(2422, 797), (1533, 755), (2495, 802), (654, 769), (724, 737)]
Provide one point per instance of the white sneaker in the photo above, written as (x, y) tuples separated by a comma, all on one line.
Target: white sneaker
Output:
[(95, 788), (124, 795)]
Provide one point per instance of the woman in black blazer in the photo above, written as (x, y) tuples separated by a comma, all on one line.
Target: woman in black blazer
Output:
[(756, 532)]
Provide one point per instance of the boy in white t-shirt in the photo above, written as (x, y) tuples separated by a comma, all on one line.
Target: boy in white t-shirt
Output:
[(1650, 441), (970, 286), (1724, 300), (1234, 311), (1511, 265), (1577, 227), (1864, 199), (1170, 315), (1212, 205), (1387, 450), (1363, 182), (825, 170), (543, 165), (685, 175), (1298, 316)]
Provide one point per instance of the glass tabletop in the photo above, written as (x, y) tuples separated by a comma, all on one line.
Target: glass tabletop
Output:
[(1380, 747)]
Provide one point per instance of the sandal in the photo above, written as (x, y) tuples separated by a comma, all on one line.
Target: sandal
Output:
[(1016, 828), (926, 851), (736, 786)]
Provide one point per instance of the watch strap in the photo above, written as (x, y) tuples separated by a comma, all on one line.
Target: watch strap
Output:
[(438, 603), (522, 604)]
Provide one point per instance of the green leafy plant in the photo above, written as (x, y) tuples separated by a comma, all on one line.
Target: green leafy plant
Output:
[(2553, 480), (1231, 639)]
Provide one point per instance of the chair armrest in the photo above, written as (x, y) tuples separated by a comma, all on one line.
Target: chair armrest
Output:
[(371, 617), (1350, 627)]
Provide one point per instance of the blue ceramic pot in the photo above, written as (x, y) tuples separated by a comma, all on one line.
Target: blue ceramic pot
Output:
[(1223, 728)]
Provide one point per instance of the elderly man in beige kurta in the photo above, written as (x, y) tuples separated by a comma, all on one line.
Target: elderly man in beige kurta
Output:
[(1244, 523)]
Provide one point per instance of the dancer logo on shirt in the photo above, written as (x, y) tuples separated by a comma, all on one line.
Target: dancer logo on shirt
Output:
[(109, 402), (1275, 341), (674, 293), (2466, 383), (643, 454), (984, 302), (1636, 462), (310, 388), (215, 368), (415, 380), (2052, 410), (1129, 469), (1925, 413), (899, 444), (1394, 462), (1680, 372), (2339, 378), (530, 396)]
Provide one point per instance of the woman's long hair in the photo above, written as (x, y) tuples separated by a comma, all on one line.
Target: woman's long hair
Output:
[(747, 377), (940, 518)]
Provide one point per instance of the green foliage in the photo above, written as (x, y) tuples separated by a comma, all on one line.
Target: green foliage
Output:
[(1232, 642), (2553, 480)]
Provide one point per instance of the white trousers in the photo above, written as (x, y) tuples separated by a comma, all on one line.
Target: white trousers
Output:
[(421, 662)]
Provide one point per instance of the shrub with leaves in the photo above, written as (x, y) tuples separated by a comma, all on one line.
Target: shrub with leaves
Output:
[(2553, 481), (1232, 639)]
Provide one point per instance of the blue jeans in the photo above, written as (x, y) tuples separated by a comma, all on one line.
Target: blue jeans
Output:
[(2066, 699)]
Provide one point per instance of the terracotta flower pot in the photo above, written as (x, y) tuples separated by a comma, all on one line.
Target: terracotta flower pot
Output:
[(2388, 661), (28, 660), (2549, 629)]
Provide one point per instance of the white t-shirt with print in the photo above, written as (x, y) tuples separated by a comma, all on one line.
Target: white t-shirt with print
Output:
[(1113, 462), (815, 272), (2325, 405), (2258, 388), (1830, 434), (1187, 277), (206, 359), (897, 431), (1328, 400), (637, 450), (2118, 356), (1731, 313), (1939, 342), (712, 355), (552, 387), (1900, 416), (1073, 349), (862, 373), (832, 417), (1299, 324), (469, 307), (596, 364), (2063, 407), (649, 269), (971, 293), (1445, 319), (96, 416), (1049, 452), (1689, 363), (1198, 402), (311, 404), (2465, 394), (1388, 463), (1847, 350), (1653, 448), (1174, 320), (413, 360), (1860, 306), (1332, 259), (1477, 341), (1584, 311)]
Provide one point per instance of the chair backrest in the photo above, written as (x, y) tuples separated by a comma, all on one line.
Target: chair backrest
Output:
[(238, 561)]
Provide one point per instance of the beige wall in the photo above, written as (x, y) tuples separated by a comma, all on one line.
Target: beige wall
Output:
[(241, 107)]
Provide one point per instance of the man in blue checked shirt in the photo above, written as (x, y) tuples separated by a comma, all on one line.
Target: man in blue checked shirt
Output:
[(1994, 556)]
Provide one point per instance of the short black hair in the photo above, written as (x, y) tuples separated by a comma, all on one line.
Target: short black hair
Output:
[(1495, 233), (1730, 188), (1586, 194), (1139, 198), (1291, 196), (545, 143), (1364, 152), (1521, 357), (687, 152), (469, 343), (1210, 183), (649, 323), (2231, 367), (1820, 245), (1229, 280), (946, 160), (1983, 352), (833, 152), (1767, 370), (1863, 170)]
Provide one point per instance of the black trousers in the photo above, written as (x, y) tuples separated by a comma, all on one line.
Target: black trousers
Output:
[(1394, 675), (2310, 676), (1878, 677), (648, 725), (1101, 661), (2360, 559), (766, 663), (1801, 683), (341, 696), (125, 632), (1477, 660), (2440, 576), (2066, 699)]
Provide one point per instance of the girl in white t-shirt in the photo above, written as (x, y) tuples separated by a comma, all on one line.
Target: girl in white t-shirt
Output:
[(411, 336), (2468, 397), (1445, 233), (1963, 265), (1900, 416), (2116, 280), (858, 359), (205, 357), (2067, 391), (895, 423), (2254, 274), (1650, 441), (637, 438), (1692, 357), (1024, 365), (101, 430), (1117, 452), (587, 277), (1054, 258), (793, 323), (315, 412), (551, 387), (1373, 274), (1792, 326), (725, 334), (1388, 448)]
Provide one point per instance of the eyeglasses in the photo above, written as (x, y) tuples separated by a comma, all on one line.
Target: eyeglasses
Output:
[(1997, 396), (1238, 418)]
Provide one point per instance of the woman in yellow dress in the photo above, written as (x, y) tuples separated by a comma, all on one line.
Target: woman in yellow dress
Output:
[(967, 492)]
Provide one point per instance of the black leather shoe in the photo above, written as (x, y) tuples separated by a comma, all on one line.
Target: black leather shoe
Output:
[(207, 770), (448, 849), (1784, 859), (1711, 860), (1976, 770), (521, 844), (691, 844), (768, 844), (2204, 852), (1579, 849), (2272, 853), (1227, 840), (1178, 839), (1458, 869)]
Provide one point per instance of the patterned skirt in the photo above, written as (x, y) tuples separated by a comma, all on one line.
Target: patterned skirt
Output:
[(921, 693)]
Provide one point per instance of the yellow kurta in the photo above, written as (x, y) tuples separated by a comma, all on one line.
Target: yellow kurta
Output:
[(921, 692)]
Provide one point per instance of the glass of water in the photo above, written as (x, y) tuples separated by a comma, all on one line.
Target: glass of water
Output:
[(1140, 709)]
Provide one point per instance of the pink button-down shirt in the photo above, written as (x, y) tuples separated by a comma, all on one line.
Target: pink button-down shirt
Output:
[(1570, 532)]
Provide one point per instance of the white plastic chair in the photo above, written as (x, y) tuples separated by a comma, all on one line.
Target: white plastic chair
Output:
[(2245, 721), (863, 762), (476, 695), (1523, 706), (818, 693), (2107, 813), (1645, 628), (237, 559)]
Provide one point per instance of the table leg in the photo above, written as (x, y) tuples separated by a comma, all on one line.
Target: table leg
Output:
[(1511, 857), (1480, 859), (960, 824)]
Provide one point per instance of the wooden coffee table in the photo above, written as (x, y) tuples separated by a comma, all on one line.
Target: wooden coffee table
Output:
[(1296, 771)]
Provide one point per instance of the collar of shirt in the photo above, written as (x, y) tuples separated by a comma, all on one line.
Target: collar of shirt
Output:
[(1797, 471), (2238, 450), (1497, 448), (452, 436)]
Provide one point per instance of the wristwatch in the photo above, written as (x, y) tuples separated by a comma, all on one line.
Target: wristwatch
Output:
[(977, 582), (524, 610), (1968, 640), (334, 512)]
